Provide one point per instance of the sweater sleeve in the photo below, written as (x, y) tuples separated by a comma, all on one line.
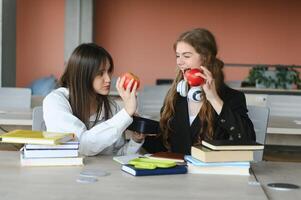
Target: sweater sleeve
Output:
[(58, 117)]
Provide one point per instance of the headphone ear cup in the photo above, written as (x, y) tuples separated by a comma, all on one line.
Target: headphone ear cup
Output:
[(182, 88), (195, 94)]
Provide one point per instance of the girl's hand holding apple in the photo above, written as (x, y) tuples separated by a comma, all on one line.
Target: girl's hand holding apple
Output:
[(128, 77), (194, 77), (127, 87)]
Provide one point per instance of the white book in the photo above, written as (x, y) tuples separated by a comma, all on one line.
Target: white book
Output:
[(50, 161), (219, 170), (197, 162), (50, 153), (67, 145)]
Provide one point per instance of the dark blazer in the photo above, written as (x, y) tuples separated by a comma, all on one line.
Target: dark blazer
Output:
[(233, 123)]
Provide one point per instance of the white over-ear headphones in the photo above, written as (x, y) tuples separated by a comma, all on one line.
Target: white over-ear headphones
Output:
[(194, 93)]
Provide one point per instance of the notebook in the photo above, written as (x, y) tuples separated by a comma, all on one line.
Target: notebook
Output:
[(178, 169)]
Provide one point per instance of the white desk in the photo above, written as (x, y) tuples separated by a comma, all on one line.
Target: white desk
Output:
[(22, 117), (36, 183), (281, 172), (284, 125)]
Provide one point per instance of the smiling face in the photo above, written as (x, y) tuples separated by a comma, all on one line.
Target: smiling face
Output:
[(187, 57), (102, 81)]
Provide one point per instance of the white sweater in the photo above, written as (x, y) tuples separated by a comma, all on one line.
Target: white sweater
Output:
[(106, 137)]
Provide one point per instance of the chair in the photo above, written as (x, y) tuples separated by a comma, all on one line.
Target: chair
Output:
[(259, 116), (16, 98), (38, 123), (284, 105), (151, 100)]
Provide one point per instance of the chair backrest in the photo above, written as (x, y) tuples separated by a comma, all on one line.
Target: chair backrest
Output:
[(151, 100), (16, 98), (259, 116), (38, 123), (284, 105)]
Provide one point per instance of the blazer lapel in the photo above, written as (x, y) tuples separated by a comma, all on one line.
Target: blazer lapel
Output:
[(183, 109), (195, 128)]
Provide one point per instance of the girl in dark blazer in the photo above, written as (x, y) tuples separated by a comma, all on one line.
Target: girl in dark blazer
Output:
[(210, 111)]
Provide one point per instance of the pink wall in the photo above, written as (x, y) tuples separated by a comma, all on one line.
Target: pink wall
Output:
[(140, 34), (40, 39)]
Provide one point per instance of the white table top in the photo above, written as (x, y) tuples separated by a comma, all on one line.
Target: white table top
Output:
[(60, 183), (279, 172), (15, 117), (284, 125)]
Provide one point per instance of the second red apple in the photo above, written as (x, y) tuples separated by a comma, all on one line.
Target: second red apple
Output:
[(192, 79)]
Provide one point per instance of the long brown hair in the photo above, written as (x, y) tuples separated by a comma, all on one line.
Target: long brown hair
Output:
[(204, 43), (84, 64)]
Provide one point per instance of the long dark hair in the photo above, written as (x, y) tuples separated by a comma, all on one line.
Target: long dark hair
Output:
[(204, 43), (84, 64)]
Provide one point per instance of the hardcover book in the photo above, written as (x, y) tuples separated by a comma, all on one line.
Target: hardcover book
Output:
[(224, 168), (219, 170), (207, 155), (50, 161), (232, 145), (50, 153), (197, 162), (178, 169), (35, 137), (67, 145)]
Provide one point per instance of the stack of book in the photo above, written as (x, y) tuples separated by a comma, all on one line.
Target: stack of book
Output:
[(221, 157), (45, 148), (161, 163), (51, 155), (148, 167)]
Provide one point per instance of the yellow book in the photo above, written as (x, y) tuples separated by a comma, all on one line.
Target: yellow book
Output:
[(207, 155), (35, 137)]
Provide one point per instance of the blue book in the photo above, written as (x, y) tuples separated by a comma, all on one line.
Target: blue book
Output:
[(179, 169), (197, 162)]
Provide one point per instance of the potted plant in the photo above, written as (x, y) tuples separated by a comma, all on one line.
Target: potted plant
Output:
[(287, 77), (261, 77)]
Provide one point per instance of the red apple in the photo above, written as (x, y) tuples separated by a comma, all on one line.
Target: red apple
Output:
[(192, 79), (128, 77)]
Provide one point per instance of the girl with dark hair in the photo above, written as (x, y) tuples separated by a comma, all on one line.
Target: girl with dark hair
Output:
[(82, 105), (218, 113)]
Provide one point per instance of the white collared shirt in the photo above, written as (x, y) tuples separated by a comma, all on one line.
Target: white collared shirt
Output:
[(106, 137)]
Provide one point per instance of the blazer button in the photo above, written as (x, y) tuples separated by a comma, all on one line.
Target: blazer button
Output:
[(239, 135), (223, 121), (232, 128)]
